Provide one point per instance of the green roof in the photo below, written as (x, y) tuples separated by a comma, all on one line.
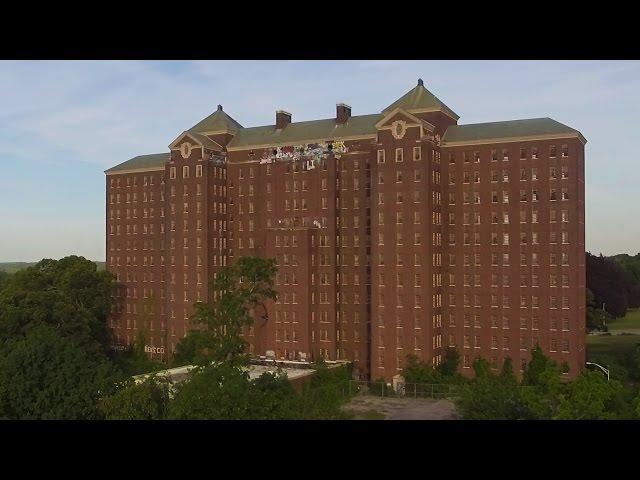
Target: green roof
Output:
[(217, 121), (154, 160), (298, 132), (204, 140), (531, 127), (419, 98)]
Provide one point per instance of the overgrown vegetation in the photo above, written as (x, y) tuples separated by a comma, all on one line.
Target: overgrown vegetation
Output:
[(542, 395), (55, 360)]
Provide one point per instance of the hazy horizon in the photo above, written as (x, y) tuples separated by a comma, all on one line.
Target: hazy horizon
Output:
[(64, 122)]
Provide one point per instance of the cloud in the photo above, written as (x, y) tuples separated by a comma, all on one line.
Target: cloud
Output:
[(80, 118)]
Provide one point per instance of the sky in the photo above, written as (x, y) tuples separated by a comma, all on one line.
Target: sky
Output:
[(62, 123)]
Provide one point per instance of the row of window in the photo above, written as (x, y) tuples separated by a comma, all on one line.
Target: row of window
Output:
[(474, 197), (186, 172), (132, 261), (506, 322), (399, 155), (526, 343), (504, 216), (505, 240), (417, 177), (504, 259), (525, 323), (526, 280), (554, 174), (534, 152), (525, 301), (218, 190), (133, 181)]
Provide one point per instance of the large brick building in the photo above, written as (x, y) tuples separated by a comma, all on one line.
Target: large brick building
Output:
[(395, 233)]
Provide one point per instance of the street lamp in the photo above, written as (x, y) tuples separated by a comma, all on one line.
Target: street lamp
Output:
[(601, 368)]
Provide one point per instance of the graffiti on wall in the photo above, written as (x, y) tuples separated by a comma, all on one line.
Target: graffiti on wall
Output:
[(311, 153)]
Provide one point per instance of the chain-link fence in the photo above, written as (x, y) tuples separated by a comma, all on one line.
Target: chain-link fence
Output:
[(407, 390)]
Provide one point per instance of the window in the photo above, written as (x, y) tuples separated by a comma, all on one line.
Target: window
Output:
[(198, 170), (185, 171), (417, 154), (380, 156), (399, 155), (172, 173)]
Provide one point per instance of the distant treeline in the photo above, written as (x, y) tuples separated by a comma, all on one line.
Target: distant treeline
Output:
[(13, 267), (613, 282)]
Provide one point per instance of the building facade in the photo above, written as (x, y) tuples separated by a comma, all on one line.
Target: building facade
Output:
[(397, 233)]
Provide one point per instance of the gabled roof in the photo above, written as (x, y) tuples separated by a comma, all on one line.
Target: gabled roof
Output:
[(419, 98), (391, 114), (312, 131), (511, 129), (154, 161), (198, 138), (218, 121)]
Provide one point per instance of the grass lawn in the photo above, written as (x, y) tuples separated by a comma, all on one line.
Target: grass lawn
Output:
[(630, 321), (615, 346)]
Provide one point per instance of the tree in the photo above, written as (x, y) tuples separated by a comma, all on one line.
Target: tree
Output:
[(274, 398), (541, 370), (481, 367), (49, 375), (244, 287), (590, 397), (597, 318), (416, 371), (69, 294), (323, 396), (636, 407), (148, 400), (4, 276), (631, 265), (54, 340), (215, 392), (542, 385), (492, 397), (449, 367), (610, 284)]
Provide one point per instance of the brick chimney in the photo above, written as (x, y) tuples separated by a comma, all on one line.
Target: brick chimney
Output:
[(282, 119), (343, 113)]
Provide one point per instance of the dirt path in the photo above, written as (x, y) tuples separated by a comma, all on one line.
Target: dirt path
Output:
[(373, 408)]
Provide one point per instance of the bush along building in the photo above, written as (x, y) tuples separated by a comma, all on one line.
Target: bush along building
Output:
[(395, 233)]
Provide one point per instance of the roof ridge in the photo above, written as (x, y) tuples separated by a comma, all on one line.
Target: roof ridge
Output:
[(505, 121), (330, 119)]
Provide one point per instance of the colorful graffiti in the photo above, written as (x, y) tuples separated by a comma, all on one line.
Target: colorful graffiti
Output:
[(311, 153)]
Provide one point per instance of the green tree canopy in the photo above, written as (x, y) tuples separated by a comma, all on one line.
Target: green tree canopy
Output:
[(68, 294), (54, 339), (49, 375), (217, 336), (148, 400), (590, 397)]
